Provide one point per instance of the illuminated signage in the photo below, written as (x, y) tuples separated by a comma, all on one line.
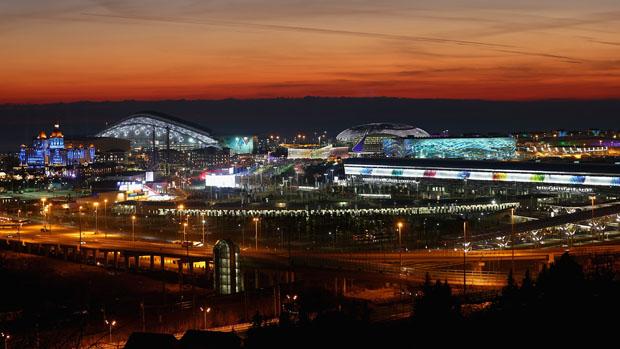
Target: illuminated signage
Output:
[(221, 181), (129, 186)]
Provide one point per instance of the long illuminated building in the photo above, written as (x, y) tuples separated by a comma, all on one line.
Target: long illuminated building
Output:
[(474, 148), (539, 173)]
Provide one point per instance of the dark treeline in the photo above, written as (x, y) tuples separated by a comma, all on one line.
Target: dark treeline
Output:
[(560, 303)]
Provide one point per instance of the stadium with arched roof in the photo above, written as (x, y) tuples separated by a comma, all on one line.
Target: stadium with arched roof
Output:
[(146, 128)]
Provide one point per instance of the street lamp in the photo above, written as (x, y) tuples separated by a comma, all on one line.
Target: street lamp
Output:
[(43, 200), (110, 323), (49, 217), (592, 230), (205, 310), (19, 224), (203, 232), (400, 248), (180, 208), (80, 220), (512, 225), (45, 218), (255, 219), (6, 337), (133, 228), (185, 232), (465, 250), (96, 204), (105, 215)]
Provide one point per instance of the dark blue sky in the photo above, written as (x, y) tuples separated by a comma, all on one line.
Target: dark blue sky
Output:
[(290, 116)]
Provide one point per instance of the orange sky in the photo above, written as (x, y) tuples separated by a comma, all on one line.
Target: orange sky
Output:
[(114, 50)]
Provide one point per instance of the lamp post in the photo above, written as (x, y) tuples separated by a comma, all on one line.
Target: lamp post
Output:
[(592, 226), (241, 226), (96, 204), (185, 232), (465, 249), (49, 217), (45, 218), (43, 200), (203, 232), (512, 227), (80, 220), (400, 248), (19, 224), (110, 323), (105, 216), (133, 229), (255, 219), (180, 208), (6, 337), (205, 310)]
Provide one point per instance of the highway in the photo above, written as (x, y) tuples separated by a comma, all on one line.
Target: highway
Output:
[(376, 265)]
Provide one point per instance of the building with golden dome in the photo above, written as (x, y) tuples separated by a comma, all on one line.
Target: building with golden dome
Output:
[(51, 151)]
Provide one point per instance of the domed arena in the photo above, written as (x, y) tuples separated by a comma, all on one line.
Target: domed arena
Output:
[(369, 137), (146, 128), (355, 133)]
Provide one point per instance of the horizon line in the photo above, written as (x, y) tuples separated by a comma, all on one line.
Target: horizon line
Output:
[(567, 99)]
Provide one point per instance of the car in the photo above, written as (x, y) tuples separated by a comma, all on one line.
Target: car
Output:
[(43, 230)]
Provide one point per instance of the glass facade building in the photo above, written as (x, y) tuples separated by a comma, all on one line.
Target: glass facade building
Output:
[(227, 276)]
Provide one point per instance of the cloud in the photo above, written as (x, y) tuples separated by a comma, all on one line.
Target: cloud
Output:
[(489, 46), (298, 29)]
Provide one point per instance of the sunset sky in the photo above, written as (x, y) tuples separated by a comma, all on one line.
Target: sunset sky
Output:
[(69, 50)]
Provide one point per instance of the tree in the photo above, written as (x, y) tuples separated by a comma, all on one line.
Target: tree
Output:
[(257, 320), (511, 286)]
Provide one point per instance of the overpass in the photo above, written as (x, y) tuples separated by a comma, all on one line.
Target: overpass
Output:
[(114, 253), (519, 228)]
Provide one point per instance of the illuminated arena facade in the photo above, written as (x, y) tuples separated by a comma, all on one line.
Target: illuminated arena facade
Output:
[(355, 133), (369, 137), (150, 129), (493, 177), (498, 148)]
